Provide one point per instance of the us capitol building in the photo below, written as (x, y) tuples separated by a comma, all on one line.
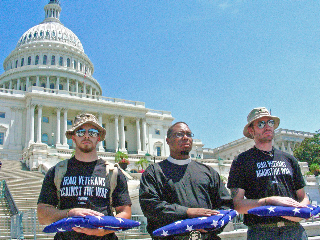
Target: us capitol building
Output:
[(48, 80)]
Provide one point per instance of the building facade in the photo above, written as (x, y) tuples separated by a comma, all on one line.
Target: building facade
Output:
[(48, 80)]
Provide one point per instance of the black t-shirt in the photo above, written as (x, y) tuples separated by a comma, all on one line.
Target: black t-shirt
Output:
[(85, 185), (167, 190), (261, 175)]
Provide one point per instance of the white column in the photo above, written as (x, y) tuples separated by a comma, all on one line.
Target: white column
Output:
[(57, 83), (58, 128), (18, 84), (282, 147), (10, 85), (84, 88), (18, 131), (101, 149), (27, 84), (27, 126), (138, 135), (116, 131), (68, 84), (289, 148), (90, 91), (38, 82), (48, 82), (12, 127), (77, 87), (39, 124), (31, 140), (65, 122), (144, 135), (123, 137)]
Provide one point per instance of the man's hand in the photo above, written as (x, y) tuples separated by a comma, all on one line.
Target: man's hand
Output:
[(201, 212), (82, 212), (283, 201), (94, 232)]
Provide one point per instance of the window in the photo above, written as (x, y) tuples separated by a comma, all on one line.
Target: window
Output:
[(69, 122), (80, 66), (70, 142), (2, 115), (35, 35), (68, 62), (158, 151), (37, 60), (51, 86), (44, 138), (45, 60), (157, 132), (60, 87), (1, 138), (45, 119), (41, 33), (29, 60), (125, 128), (16, 63), (75, 64), (61, 61), (53, 60), (192, 155), (22, 62), (43, 85)]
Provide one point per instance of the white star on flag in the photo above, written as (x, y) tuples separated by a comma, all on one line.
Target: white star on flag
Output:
[(177, 222), (296, 210), (189, 228), (271, 209), (99, 217), (202, 218), (222, 222), (120, 219), (214, 223), (164, 233), (61, 230)]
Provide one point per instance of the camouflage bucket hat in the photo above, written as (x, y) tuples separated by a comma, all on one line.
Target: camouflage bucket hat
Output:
[(83, 119), (257, 113)]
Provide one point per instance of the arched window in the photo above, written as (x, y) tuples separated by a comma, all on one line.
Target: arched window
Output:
[(35, 35), (44, 138), (68, 62), (16, 63), (61, 61), (80, 66), (22, 62), (45, 60), (37, 60), (158, 151), (41, 33), (75, 64), (53, 60), (29, 60)]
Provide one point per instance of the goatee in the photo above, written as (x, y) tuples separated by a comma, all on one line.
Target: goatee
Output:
[(184, 153)]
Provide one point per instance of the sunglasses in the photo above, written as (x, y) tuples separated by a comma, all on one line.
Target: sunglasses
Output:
[(262, 124), (91, 132), (181, 134)]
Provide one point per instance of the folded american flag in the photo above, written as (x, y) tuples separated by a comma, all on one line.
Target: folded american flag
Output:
[(208, 223), (306, 212), (105, 222)]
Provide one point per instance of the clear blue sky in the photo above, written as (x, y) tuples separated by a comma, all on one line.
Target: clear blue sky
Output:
[(208, 62)]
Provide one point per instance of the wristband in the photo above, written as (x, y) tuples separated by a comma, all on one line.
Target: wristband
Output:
[(68, 213)]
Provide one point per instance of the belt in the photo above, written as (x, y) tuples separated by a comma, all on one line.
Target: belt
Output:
[(193, 235), (276, 224)]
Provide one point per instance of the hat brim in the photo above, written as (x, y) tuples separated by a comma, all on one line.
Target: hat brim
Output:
[(102, 131), (274, 118)]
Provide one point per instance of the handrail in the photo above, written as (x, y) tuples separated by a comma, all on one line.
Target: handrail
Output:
[(7, 195)]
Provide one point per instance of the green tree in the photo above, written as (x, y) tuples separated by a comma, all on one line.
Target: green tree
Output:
[(121, 157), (309, 150), (143, 163)]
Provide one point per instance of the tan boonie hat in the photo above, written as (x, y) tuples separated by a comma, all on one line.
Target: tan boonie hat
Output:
[(257, 113), (86, 118)]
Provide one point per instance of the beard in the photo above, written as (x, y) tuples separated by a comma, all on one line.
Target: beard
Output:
[(185, 153), (86, 148)]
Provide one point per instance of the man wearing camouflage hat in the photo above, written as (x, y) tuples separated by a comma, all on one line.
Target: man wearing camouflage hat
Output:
[(264, 175), (84, 188)]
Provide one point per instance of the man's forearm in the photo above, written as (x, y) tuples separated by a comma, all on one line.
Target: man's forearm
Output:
[(48, 214)]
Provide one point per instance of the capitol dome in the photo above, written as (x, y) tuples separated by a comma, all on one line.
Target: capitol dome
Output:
[(51, 56)]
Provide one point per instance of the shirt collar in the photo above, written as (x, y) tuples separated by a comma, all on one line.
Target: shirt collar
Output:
[(179, 162)]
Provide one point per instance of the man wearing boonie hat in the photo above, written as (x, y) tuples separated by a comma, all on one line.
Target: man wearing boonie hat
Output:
[(264, 175), (85, 186)]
